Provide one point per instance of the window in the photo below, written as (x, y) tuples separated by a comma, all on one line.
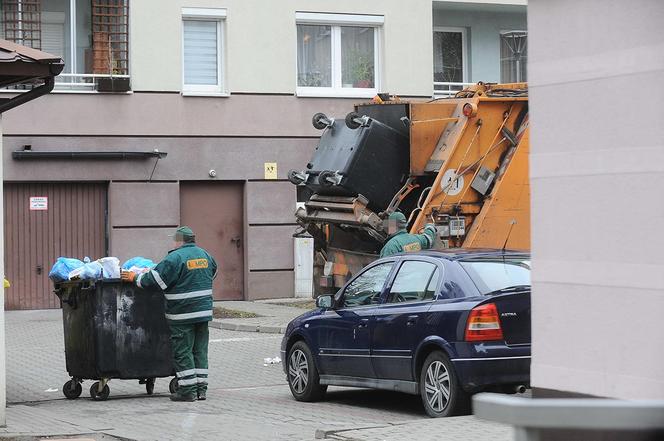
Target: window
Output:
[(449, 55), (492, 275), (415, 281), (513, 56), (91, 36), (367, 287), (202, 61), (337, 54)]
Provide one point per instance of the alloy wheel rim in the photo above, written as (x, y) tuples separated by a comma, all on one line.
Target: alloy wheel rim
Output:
[(298, 371), (437, 386)]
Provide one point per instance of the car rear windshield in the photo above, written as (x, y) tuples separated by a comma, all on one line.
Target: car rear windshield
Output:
[(491, 275)]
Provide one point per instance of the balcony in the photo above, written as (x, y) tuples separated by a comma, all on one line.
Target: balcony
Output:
[(443, 89), (91, 36)]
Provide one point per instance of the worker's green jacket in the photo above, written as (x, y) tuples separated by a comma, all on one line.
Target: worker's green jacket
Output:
[(403, 241), (185, 276)]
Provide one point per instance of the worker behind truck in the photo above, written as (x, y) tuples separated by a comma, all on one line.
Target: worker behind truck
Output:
[(185, 276), (401, 241)]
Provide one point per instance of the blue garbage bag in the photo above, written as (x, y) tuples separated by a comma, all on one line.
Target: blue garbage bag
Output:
[(62, 267), (89, 271), (138, 262)]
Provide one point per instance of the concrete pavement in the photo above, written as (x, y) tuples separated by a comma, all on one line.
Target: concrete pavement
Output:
[(247, 401), (274, 317)]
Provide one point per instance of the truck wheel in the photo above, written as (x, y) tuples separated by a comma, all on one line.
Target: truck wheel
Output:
[(440, 390), (72, 389), (99, 396), (173, 385), (303, 378)]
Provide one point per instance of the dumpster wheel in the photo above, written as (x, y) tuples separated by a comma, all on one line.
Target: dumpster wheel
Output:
[(173, 385), (149, 386), (99, 396), (72, 389)]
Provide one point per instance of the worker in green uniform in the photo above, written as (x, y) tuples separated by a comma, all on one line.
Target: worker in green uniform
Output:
[(401, 241), (185, 276)]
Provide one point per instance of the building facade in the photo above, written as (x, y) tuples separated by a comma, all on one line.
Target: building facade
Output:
[(597, 286), (226, 89)]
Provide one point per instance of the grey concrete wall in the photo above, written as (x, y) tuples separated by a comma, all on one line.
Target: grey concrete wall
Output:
[(270, 219), (152, 243), (143, 204), (597, 167), (188, 158), (141, 214), (270, 285), (270, 202), (170, 114)]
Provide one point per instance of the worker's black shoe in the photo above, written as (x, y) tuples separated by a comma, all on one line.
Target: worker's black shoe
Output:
[(201, 395), (177, 397)]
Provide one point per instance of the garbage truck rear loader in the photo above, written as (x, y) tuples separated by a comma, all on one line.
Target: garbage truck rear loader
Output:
[(460, 163)]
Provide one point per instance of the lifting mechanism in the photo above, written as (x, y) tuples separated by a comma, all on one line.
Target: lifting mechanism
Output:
[(460, 163)]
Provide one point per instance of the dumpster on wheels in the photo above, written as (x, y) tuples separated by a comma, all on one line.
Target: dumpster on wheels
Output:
[(113, 330)]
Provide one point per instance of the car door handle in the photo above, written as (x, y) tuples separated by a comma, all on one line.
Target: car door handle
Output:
[(363, 323), (412, 319)]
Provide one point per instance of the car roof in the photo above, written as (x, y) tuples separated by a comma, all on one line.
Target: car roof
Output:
[(467, 253)]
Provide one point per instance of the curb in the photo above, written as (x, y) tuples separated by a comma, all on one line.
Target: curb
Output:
[(247, 327)]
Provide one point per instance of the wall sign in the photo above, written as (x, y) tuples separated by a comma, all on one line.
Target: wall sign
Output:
[(270, 170), (38, 203)]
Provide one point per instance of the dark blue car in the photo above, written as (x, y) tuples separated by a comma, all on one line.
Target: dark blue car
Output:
[(442, 325)]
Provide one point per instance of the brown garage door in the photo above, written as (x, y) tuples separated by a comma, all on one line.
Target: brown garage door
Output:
[(214, 210), (68, 220)]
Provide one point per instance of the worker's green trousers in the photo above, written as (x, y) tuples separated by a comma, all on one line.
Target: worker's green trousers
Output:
[(190, 357)]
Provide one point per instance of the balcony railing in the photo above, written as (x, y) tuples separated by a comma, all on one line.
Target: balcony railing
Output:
[(92, 82), (446, 89)]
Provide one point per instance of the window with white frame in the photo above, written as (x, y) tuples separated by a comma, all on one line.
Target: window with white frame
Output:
[(513, 56), (91, 36), (338, 54), (449, 55), (202, 50)]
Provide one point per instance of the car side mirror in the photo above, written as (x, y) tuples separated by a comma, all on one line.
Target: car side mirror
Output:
[(324, 302)]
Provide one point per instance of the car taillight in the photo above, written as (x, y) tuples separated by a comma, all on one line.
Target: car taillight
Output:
[(484, 324)]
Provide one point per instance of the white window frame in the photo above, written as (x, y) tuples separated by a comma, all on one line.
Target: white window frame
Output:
[(500, 46), (464, 47), (219, 16), (336, 21)]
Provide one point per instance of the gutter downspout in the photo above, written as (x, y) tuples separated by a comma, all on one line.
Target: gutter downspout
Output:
[(29, 95)]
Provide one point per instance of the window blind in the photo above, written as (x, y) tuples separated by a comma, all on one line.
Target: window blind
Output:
[(201, 52)]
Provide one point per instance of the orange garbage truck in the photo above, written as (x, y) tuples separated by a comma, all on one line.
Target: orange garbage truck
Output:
[(460, 163)]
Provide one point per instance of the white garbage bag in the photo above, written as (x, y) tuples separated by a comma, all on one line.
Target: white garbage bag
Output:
[(110, 267)]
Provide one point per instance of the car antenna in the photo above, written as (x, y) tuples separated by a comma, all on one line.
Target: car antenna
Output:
[(509, 233)]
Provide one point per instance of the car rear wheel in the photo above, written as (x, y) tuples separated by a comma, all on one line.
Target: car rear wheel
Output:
[(303, 378), (440, 390)]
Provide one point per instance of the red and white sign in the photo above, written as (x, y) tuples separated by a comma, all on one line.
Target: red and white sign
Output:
[(38, 203)]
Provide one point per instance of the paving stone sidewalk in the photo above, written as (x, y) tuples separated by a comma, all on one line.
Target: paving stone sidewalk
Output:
[(274, 316), (248, 401)]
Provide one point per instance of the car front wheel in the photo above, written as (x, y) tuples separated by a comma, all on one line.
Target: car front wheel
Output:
[(440, 390), (303, 378)]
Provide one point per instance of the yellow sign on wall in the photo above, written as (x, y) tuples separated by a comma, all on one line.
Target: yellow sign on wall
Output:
[(270, 170)]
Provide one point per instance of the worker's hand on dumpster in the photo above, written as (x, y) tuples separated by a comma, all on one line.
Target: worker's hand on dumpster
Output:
[(127, 276)]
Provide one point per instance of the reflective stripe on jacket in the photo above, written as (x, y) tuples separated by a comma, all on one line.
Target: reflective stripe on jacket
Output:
[(185, 276), (402, 241)]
